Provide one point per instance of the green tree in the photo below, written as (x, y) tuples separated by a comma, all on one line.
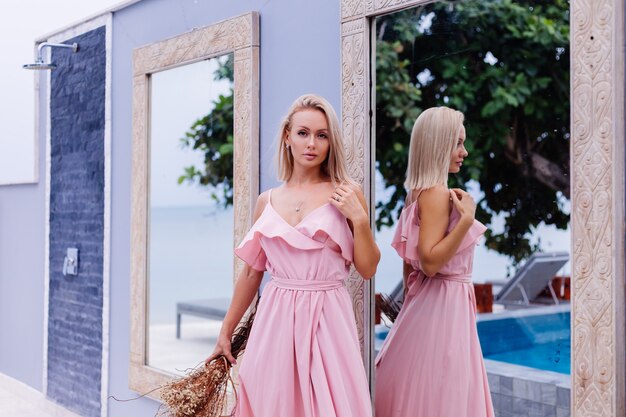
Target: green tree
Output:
[(213, 136), (505, 64)]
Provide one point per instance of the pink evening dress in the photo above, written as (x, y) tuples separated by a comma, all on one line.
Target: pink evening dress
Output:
[(431, 363), (303, 357)]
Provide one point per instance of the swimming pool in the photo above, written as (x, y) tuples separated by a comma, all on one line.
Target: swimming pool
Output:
[(527, 359), (523, 337), (537, 338)]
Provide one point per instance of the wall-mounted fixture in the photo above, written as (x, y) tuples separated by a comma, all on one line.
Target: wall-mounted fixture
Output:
[(39, 62), (70, 263)]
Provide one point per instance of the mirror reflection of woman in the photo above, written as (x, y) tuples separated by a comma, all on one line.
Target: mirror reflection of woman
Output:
[(303, 356), (431, 363)]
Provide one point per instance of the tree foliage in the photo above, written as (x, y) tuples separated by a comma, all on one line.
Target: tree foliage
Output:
[(213, 136), (503, 63)]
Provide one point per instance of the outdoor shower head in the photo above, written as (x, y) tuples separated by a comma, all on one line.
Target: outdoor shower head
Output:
[(39, 62)]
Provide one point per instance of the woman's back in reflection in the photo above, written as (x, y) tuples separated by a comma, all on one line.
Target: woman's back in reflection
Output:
[(431, 363)]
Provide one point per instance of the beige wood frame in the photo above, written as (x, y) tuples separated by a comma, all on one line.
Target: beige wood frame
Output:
[(240, 36), (597, 175)]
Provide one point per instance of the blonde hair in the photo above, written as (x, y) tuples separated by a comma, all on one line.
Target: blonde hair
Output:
[(434, 137), (334, 166)]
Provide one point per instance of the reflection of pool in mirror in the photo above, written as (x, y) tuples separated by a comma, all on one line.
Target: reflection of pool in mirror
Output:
[(527, 357), (538, 338), (190, 226)]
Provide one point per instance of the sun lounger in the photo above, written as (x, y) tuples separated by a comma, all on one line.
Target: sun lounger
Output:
[(215, 309), (531, 279)]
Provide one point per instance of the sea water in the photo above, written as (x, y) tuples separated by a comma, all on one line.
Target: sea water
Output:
[(190, 257)]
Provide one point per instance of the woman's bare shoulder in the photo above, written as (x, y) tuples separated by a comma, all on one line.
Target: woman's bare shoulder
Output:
[(261, 202), (435, 200)]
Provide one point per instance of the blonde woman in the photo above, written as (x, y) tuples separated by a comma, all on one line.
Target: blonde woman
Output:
[(431, 363), (303, 357)]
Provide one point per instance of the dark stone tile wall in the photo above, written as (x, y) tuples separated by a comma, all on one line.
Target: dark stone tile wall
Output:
[(522, 392), (77, 111)]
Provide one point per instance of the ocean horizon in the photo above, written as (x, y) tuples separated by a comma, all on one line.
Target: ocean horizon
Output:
[(191, 257)]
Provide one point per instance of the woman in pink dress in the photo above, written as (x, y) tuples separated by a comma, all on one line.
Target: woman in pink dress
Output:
[(431, 363), (303, 357)]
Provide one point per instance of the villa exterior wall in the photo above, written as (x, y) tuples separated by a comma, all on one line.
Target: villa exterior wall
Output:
[(300, 53)]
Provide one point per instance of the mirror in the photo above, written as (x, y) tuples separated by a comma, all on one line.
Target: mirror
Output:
[(506, 66), (195, 178), (191, 221)]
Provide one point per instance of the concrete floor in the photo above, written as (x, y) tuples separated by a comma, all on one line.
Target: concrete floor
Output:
[(197, 341), (166, 352), (20, 400), (12, 405)]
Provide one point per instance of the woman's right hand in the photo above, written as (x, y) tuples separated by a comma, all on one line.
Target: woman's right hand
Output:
[(464, 203), (222, 348)]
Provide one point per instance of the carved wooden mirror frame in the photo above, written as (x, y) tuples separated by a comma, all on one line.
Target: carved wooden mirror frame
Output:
[(240, 36), (597, 182)]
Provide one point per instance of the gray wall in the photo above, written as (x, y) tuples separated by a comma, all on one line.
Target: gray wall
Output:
[(299, 54), (21, 281), (21, 271)]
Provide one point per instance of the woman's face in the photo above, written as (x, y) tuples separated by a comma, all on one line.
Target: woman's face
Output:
[(458, 153), (309, 138)]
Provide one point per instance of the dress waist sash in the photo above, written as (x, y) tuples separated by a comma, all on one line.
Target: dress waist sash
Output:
[(306, 284), (464, 278)]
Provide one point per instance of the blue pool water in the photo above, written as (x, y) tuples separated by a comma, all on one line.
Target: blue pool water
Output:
[(537, 341)]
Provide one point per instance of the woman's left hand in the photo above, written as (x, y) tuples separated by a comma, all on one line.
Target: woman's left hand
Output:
[(350, 201), (346, 199)]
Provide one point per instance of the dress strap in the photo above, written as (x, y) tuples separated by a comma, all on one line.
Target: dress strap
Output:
[(411, 198), (414, 199)]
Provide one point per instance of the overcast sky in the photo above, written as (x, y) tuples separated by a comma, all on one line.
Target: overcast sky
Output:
[(21, 22), (180, 96)]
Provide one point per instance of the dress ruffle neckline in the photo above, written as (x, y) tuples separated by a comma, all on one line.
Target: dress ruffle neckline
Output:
[(311, 233)]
